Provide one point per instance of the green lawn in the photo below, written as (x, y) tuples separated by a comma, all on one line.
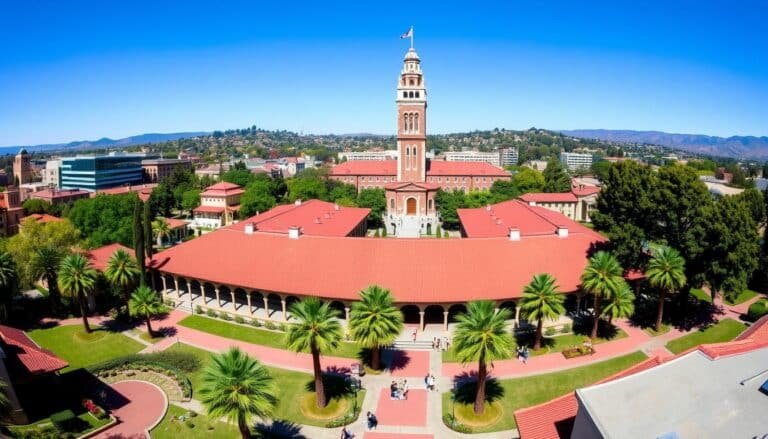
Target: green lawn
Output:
[(201, 427), (724, 330), (81, 350), (549, 344), (741, 298), (519, 393), (701, 295), (290, 386), (256, 336)]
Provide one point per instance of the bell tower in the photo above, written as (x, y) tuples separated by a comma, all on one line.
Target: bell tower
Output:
[(411, 121)]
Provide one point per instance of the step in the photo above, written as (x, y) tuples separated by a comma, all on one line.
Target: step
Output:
[(408, 345)]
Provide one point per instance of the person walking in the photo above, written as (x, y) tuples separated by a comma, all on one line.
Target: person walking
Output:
[(346, 434), (372, 421)]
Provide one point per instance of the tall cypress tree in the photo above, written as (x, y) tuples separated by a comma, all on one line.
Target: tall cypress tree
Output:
[(148, 241), (138, 238)]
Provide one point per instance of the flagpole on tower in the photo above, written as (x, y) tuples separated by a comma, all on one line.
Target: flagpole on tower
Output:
[(411, 36)]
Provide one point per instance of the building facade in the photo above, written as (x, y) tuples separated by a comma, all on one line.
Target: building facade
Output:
[(155, 170), (51, 173), (59, 196), (575, 204), (493, 158), (389, 154), (92, 173), (219, 205), (575, 160), (11, 212), (22, 169), (509, 156)]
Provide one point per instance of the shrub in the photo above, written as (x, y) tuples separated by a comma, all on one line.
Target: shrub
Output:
[(189, 424), (270, 325), (283, 327), (377, 234), (256, 323), (455, 425), (167, 363), (199, 309), (239, 319), (170, 303), (63, 420), (757, 310), (384, 232), (445, 234), (566, 328), (211, 313), (225, 316), (550, 331)]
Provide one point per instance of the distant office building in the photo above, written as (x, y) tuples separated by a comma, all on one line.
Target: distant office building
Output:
[(155, 170), (509, 156), (100, 172), (575, 160), (22, 169), (51, 173), (389, 154), (493, 158)]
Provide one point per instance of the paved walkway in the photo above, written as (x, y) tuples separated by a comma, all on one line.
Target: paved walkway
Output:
[(138, 406)]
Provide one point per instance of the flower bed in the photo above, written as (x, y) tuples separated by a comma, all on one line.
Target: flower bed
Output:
[(133, 364), (578, 351)]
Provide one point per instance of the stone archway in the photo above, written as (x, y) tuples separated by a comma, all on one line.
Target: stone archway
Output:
[(410, 314), (509, 305), (433, 314), (455, 310)]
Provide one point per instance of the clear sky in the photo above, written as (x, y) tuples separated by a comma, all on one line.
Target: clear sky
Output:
[(79, 70)]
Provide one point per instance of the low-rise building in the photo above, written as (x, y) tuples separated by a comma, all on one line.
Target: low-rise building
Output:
[(509, 156), (51, 173), (493, 158), (387, 154), (100, 171), (574, 161), (155, 170), (59, 196), (575, 204), (11, 212), (219, 205), (144, 191)]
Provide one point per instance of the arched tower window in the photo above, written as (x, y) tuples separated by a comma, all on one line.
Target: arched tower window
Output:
[(405, 122), (392, 203), (405, 94), (416, 122)]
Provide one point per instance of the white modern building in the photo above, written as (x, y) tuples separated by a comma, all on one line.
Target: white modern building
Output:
[(575, 160), (51, 173), (389, 154), (493, 158), (509, 156)]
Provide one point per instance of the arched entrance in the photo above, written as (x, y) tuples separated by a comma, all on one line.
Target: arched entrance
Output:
[(510, 305), (433, 314), (455, 310), (410, 314), (410, 206), (339, 307)]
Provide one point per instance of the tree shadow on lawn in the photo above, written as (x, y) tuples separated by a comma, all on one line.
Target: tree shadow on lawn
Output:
[(337, 386), (682, 310), (466, 388), (278, 429)]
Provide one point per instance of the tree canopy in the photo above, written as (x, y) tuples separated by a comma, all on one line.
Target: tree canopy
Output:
[(555, 177), (105, 219)]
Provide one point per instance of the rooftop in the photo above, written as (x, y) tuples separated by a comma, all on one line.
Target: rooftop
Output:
[(314, 217), (42, 218), (49, 194), (99, 257), (222, 189), (544, 197), (31, 358), (434, 168)]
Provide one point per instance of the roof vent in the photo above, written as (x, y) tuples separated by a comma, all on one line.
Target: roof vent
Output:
[(250, 228), (562, 231), (514, 234), (297, 202), (294, 232)]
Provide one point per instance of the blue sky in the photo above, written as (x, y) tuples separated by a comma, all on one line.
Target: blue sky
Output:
[(79, 70)]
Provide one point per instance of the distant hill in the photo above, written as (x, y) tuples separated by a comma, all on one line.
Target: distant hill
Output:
[(104, 142), (749, 147)]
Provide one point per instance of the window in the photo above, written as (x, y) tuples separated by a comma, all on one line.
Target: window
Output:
[(416, 122), (410, 82), (410, 94), (405, 94), (417, 94), (391, 203), (430, 204)]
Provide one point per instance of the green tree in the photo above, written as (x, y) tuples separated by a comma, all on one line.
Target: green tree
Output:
[(317, 330), (104, 219), (666, 272), (190, 199), (123, 272), (376, 200), (731, 246), (602, 279), (77, 279), (754, 202), (138, 239), (240, 177), (5, 405), (34, 205), (145, 304), (306, 188), (555, 177), (621, 305), (161, 230), (601, 168), (147, 224), (34, 235), (374, 321), (528, 180), (481, 335), (45, 264), (342, 191), (9, 284), (258, 197), (238, 388), (503, 190), (542, 301), (447, 203)]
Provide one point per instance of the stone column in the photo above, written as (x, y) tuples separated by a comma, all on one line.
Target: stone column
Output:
[(178, 291), (165, 286), (218, 297), (421, 321), (346, 313), (234, 304), (517, 314), (248, 296), (445, 320), (266, 305), (189, 290), (285, 312)]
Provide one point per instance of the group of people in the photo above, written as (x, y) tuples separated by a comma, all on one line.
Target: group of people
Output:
[(429, 382), (441, 343), (398, 389), (523, 353)]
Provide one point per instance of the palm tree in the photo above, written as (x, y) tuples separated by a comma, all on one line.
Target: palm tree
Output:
[(317, 330), (542, 300), (374, 321), (45, 264), (77, 279), (239, 388), (8, 283), (666, 271), (144, 303), (602, 278), (122, 271), (161, 229), (621, 305), (481, 335)]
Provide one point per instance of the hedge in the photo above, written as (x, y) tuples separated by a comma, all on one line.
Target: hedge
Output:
[(175, 364), (757, 310)]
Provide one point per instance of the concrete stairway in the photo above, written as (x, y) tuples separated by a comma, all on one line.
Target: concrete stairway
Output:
[(409, 345)]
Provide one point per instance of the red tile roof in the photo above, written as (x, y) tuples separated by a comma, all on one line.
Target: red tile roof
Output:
[(47, 194), (32, 358), (209, 209), (99, 257), (405, 184), (333, 267), (584, 190), (42, 218), (495, 221), (315, 217), (434, 168), (222, 189), (143, 190), (554, 419), (174, 223), (542, 197)]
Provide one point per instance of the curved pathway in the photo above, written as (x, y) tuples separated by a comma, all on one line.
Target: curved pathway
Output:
[(138, 406)]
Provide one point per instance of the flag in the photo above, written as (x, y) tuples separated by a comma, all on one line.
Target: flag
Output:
[(408, 34)]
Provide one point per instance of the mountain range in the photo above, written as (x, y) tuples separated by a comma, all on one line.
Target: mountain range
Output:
[(745, 147), (104, 142)]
